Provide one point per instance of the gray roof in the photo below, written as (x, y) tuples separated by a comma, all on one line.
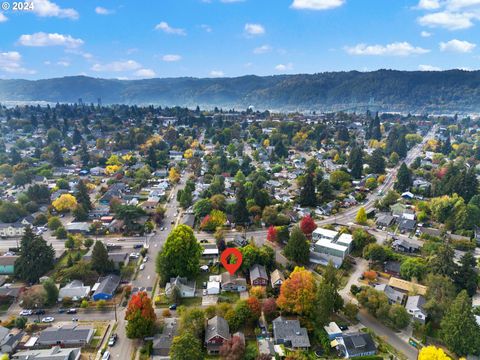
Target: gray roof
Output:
[(407, 224), (258, 271), (415, 302), (8, 260), (189, 220), (217, 326), (164, 341), (289, 331), (65, 334), (359, 343), (55, 353), (108, 284)]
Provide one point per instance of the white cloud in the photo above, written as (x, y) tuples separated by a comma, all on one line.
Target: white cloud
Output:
[(217, 73), (11, 62), (458, 46), (63, 63), (428, 68), (85, 55), (3, 18), (145, 73), (393, 49), (425, 34), (163, 26), (117, 66), (46, 8), (461, 4), (103, 11), (262, 49), (316, 4), (254, 29), (53, 39), (428, 4), (447, 20), (207, 28), (284, 67), (171, 57)]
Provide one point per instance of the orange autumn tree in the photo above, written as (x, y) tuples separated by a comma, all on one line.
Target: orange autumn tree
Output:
[(307, 225), (298, 292), (140, 316)]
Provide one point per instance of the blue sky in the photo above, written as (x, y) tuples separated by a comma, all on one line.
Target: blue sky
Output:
[(210, 38)]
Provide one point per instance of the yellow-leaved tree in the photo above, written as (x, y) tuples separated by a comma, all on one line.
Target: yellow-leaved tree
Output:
[(64, 203), (432, 353)]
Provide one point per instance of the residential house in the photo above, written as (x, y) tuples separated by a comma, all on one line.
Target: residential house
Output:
[(406, 246), (74, 290), (357, 344), (385, 220), (55, 353), (216, 333), (105, 288), (258, 275), (188, 219), (65, 336), (185, 287), (78, 228), (9, 339), (277, 278), (12, 230), (233, 282), (407, 225), (407, 286), (392, 267), (329, 246), (394, 296), (333, 330), (414, 307), (162, 344), (289, 333)]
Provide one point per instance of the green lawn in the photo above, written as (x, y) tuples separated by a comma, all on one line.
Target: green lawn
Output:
[(195, 301)]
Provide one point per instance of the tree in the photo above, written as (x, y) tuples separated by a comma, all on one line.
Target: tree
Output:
[(192, 320), (202, 208), (173, 175), (100, 261), (240, 212), (82, 196), (466, 276), (377, 162), (376, 252), (404, 179), (80, 213), (361, 238), (432, 353), (399, 316), (355, 162), (215, 219), (36, 257), (129, 214), (272, 234), (442, 263), (51, 291), (180, 256), (54, 223), (269, 308), (297, 248), (308, 196), (20, 323), (459, 328), (413, 268), (254, 305), (298, 292), (186, 346), (233, 349), (439, 296), (361, 217), (35, 296), (140, 316), (65, 202), (350, 310), (307, 225)]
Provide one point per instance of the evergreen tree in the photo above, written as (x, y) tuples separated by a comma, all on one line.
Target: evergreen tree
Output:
[(15, 156), (446, 147), (82, 196), (76, 137), (100, 261), (375, 131), (355, 162), (84, 155), (469, 185), (459, 328), (57, 156), (152, 158), (36, 257), (404, 179), (307, 193), (466, 276), (280, 149), (297, 248), (442, 263), (240, 211), (377, 162)]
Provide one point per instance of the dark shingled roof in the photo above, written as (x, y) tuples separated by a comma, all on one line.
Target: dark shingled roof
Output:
[(108, 284), (217, 326), (359, 343), (285, 331)]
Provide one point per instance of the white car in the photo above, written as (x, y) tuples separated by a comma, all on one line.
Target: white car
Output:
[(106, 355), (48, 319), (142, 266), (145, 259), (26, 312)]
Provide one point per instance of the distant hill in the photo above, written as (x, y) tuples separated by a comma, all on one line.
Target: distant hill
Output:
[(386, 90)]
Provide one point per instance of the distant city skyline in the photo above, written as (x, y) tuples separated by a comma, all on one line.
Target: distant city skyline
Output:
[(229, 38)]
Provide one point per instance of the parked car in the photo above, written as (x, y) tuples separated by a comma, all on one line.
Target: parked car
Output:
[(142, 266), (173, 307), (145, 259), (39, 312), (48, 319), (61, 311), (72, 311), (137, 246), (106, 355), (75, 319), (26, 312), (112, 340)]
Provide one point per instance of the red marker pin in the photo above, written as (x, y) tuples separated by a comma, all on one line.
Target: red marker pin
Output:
[(226, 254)]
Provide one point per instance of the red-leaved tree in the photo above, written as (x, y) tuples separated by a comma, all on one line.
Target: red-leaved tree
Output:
[(140, 316), (272, 234), (233, 349), (307, 225)]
